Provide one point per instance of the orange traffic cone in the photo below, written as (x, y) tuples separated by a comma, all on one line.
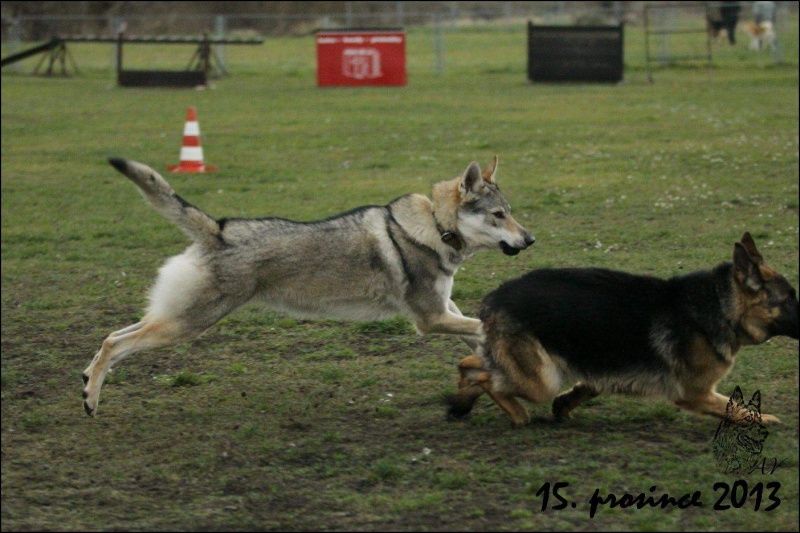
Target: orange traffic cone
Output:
[(191, 150)]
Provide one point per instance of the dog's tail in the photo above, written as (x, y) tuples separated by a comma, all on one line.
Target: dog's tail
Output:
[(200, 227)]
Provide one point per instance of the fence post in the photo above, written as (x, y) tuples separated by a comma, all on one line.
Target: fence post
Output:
[(438, 43), (219, 51), (348, 14), (781, 14), (618, 12), (116, 25), (666, 19), (14, 39), (120, 38), (647, 57)]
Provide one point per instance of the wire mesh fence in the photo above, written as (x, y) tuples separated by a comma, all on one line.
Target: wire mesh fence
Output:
[(674, 33), (161, 19)]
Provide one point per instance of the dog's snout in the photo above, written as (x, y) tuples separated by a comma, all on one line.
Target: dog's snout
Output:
[(529, 239)]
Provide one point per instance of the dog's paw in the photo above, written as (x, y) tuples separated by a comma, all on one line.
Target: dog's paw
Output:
[(520, 423), (459, 408), (456, 413), (769, 419), (451, 417), (561, 408), (562, 416)]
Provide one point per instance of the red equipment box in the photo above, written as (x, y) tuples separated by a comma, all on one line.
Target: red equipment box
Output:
[(361, 57)]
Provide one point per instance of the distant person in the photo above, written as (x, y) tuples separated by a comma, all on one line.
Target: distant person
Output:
[(764, 12), (762, 27), (723, 16)]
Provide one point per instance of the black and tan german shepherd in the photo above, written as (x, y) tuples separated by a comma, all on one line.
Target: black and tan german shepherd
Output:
[(622, 333)]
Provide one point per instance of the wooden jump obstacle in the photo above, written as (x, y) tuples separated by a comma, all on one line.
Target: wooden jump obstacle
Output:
[(53, 51), (196, 73), (575, 53)]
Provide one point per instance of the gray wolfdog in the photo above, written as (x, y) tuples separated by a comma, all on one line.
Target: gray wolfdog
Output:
[(624, 333), (366, 264)]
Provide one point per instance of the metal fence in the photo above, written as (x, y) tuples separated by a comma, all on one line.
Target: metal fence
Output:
[(683, 31), (162, 18), (441, 17), (355, 15)]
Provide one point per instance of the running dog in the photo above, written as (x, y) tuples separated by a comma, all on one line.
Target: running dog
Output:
[(366, 264), (623, 333)]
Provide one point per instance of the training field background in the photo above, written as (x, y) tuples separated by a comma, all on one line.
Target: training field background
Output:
[(268, 422)]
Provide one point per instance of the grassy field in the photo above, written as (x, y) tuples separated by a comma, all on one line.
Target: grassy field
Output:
[(267, 422)]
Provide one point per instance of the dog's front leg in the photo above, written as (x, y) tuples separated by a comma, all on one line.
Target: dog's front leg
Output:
[(565, 402), (451, 323), (472, 342), (473, 375), (714, 403)]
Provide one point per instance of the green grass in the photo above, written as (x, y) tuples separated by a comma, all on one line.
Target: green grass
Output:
[(269, 422)]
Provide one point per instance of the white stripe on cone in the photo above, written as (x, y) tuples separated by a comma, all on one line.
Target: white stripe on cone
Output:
[(191, 128), (192, 153), (191, 158)]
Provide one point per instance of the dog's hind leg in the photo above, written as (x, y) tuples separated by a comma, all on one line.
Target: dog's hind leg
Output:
[(184, 302), (144, 335), (565, 402), (129, 329)]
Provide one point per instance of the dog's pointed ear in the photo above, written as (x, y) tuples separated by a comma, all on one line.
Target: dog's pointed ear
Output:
[(472, 181), (735, 404), (745, 269), (490, 171), (737, 398), (755, 402), (750, 245)]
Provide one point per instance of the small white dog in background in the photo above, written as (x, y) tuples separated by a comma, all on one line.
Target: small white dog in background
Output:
[(762, 35)]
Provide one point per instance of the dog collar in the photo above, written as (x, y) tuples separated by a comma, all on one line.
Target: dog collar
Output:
[(451, 239)]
